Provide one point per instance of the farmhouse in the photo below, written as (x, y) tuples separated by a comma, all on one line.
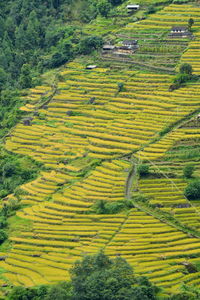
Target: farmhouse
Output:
[(131, 44), (180, 31), (132, 7), (108, 47)]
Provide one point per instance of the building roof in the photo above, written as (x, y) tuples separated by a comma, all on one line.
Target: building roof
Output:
[(91, 67), (129, 42), (123, 48), (109, 47), (132, 6), (174, 28)]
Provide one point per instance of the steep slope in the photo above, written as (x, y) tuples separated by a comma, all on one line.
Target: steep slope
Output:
[(87, 135)]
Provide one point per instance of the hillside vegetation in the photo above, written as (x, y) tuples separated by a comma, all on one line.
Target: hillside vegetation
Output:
[(114, 147)]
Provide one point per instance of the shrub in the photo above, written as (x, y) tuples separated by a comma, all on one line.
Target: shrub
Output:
[(186, 69), (104, 7), (190, 22), (151, 9), (3, 236), (120, 86), (188, 171), (192, 191), (182, 78), (111, 207), (143, 170), (89, 44)]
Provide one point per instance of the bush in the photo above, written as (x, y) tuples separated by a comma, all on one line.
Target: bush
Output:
[(112, 207), (3, 236), (182, 78), (151, 9), (186, 69), (89, 44), (143, 170), (192, 191), (188, 171), (120, 86), (104, 7)]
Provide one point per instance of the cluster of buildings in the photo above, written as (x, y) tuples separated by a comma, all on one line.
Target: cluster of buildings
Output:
[(126, 47)]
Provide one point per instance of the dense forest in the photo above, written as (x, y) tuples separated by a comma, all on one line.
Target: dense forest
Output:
[(38, 35), (42, 34)]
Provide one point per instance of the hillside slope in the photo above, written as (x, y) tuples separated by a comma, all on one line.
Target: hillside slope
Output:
[(88, 149)]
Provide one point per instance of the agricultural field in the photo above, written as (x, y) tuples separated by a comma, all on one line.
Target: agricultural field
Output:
[(89, 131)]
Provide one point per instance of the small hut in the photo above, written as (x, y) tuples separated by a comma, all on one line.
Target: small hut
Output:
[(131, 44), (132, 7), (108, 48), (27, 121), (69, 113), (91, 67)]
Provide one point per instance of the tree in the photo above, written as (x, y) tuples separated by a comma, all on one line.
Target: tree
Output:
[(190, 23), (143, 170), (116, 2), (61, 291), (55, 3), (89, 44), (192, 191), (33, 31), (186, 69), (182, 78), (8, 169), (120, 86), (25, 79), (100, 278), (3, 236), (104, 7), (188, 171), (3, 78)]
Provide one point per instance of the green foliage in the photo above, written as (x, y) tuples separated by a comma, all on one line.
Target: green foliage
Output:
[(151, 9), (100, 278), (140, 198), (187, 293), (3, 78), (188, 171), (111, 207), (190, 23), (89, 44), (120, 86), (192, 191), (25, 79), (3, 236), (186, 69), (184, 75), (104, 7), (61, 291), (182, 78), (116, 2), (143, 170), (14, 171)]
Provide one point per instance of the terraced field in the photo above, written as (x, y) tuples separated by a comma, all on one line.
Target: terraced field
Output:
[(88, 133)]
